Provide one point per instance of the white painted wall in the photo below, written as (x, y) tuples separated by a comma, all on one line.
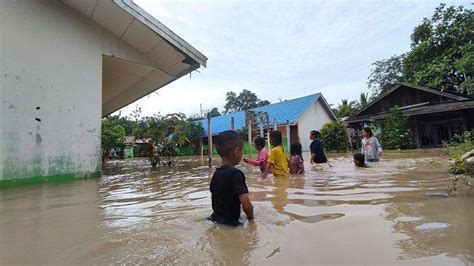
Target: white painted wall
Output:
[(312, 119), (51, 58)]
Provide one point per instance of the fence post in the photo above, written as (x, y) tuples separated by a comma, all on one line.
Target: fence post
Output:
[(209, 138), (288, 137), (249, 132)]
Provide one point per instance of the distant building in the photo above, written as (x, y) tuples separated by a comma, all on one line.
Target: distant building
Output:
[(435, 116), (302, 114), (63, 66)]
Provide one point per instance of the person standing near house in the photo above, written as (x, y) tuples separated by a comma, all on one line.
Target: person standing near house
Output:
[(371, 147), (317, 149), (277, 160), (262, 154)]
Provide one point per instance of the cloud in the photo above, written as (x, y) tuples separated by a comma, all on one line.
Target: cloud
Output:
[(281, 49)]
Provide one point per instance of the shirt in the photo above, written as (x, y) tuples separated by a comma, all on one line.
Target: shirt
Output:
[(296, 165), (370, 148), (226, 185), (279, 162), (316, 148), (262, 157)]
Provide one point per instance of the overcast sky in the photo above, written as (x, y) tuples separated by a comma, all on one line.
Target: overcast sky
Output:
[(281, 49)]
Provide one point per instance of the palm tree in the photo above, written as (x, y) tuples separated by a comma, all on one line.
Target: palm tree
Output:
[(363, 101), (346, 108)]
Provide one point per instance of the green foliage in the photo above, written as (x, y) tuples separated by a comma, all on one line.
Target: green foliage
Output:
[(457, 147), (334, 136), (244, 101), (171, 130), (441, 55), (396, 131), (440, 47), (346, 108), (385, 74), (215, 112), (363, 100), (112, 135)]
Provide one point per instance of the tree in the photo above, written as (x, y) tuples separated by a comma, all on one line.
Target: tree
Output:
[(439, 48), (244, 101), (112, 134), (334, 136), (363, 100), (215, 112), (441, 55), (346, 108), (385, 74), (396, 131)]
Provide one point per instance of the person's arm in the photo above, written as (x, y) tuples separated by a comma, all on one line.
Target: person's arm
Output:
[(253, 162), (312, 158), (379, 147), (246, 205), (268, 167)]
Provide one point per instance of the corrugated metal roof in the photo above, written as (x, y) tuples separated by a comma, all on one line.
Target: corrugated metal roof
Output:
[(288, 110)]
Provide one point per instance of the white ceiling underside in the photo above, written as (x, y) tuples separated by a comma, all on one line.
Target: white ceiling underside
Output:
[(158, 53)]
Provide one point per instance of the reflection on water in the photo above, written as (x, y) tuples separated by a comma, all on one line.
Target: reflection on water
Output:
[(134, 214)]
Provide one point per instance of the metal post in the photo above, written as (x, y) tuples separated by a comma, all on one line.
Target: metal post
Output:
[(209, 138), (275, 126), (288, 141), (232, 123), (261, 130), (250, 136), (201, 144)]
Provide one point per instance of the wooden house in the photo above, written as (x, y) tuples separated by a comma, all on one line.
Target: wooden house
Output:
[(434, 115)]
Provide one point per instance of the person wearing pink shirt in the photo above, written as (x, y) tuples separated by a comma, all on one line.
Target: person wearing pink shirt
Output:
[(262, 154)]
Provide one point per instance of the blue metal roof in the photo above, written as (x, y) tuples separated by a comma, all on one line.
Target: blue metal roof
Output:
[(288, 110)]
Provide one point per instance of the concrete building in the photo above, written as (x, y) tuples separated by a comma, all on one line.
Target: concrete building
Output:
[(301, 114), (63, 66)]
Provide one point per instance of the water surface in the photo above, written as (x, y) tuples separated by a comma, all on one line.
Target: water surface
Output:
[(396, 212)]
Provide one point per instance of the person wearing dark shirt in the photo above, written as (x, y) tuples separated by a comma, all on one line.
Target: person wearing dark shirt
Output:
[(317, 149), (228, 188)]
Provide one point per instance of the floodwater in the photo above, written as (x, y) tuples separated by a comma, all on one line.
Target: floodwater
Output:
[(396, 212)]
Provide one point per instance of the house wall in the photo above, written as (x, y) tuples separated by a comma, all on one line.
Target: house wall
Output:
[(312, 119), (50, 80), (403, 96)]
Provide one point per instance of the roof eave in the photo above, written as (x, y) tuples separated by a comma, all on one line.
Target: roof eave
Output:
[(138, 13)]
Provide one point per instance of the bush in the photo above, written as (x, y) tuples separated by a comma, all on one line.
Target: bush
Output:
[(396, 132), (457, 147), (334, 136)]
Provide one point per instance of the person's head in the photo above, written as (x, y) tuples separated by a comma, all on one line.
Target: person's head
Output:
[(359, 159), (295, 149), (259, 143), (229, 146), (367, 132), (314, 134), (275, 138)]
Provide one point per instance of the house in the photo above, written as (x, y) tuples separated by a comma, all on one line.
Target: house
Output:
[(301, 115), (434, 115), (66, 64)]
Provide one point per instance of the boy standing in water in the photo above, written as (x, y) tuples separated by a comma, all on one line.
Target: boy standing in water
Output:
[(359, 160), (228, 187), (277, 161), (262, 154), (317, 149)]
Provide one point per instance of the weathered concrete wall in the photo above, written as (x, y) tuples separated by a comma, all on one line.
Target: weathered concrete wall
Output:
[(312, 119), (50, 81)]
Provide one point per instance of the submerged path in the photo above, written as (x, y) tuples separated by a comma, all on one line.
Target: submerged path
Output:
[(395, 212)]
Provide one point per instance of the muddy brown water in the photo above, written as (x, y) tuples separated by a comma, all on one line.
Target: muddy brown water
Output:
[(395, 212)]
